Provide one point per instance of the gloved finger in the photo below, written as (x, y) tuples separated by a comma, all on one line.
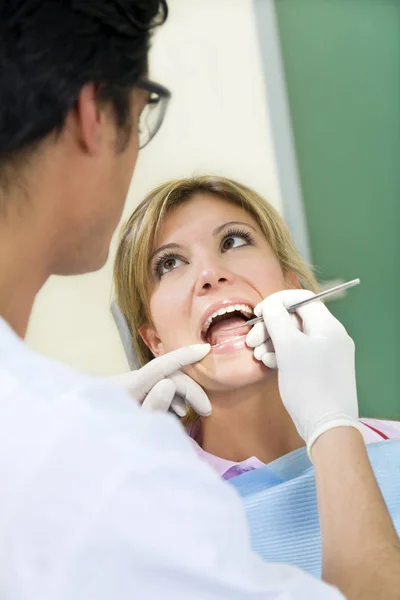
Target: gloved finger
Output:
[(269, 360), (317, 318), (179, 406), (192, 393), (279, 322), (160, 397), (263, 349), (163, 366), (287, 298), (257, 335)]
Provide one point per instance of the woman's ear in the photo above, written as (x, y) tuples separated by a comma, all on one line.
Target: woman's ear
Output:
[(293, 281), (151, 339)]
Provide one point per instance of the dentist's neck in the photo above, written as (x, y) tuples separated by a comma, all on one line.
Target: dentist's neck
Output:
[(23, 271), (249, 422)]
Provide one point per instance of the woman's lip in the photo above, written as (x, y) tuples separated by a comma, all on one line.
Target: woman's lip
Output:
[(230, 345), (245, 330)]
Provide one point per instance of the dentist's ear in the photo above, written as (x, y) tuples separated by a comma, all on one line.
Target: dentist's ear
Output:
[(151, 339)]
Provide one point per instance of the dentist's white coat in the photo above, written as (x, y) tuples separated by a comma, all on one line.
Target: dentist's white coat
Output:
[(102, 501)]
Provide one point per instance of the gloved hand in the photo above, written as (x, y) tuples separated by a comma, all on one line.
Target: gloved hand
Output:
[(316, 370), (259, 339), (160, 385)]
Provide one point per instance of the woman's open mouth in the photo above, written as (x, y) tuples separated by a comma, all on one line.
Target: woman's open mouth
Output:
[(226, 324)]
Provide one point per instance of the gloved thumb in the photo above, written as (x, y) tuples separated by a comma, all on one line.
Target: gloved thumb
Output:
[(163, 366)]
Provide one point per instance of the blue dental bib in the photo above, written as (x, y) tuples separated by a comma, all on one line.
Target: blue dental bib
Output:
[(281, 504)]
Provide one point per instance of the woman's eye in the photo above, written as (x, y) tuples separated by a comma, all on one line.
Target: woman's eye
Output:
[(233, 241), (165, 265)]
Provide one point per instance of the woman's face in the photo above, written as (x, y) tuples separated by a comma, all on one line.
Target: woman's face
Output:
[(211, 257)]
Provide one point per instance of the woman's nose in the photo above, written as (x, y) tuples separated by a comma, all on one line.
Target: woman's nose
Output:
[(211, 279)]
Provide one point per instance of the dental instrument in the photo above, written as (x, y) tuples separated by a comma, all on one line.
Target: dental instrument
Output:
[(294, 307)]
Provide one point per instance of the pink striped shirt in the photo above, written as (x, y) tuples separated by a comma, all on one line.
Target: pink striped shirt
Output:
[(374, 430)]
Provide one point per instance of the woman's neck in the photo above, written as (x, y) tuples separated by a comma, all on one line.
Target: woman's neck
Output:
[(248, 422)]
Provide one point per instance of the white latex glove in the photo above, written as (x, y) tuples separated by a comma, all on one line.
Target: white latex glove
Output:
[(160, 385), (259, 339), (316, 370)]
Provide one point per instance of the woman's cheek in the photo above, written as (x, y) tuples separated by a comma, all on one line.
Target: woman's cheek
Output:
[(161, 312)]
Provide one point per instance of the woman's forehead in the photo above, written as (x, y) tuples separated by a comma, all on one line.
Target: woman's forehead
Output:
[(203, 212)]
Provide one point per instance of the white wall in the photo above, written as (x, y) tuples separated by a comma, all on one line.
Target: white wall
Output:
[(207, 54)]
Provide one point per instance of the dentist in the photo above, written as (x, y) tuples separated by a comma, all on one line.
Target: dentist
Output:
[(100, 500)]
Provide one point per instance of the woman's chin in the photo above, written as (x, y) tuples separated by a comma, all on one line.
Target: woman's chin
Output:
[(226, 368)]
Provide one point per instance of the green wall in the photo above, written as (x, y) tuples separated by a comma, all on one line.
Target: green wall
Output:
[(342, 68)]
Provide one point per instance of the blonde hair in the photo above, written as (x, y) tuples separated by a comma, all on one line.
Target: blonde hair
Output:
[(136, 244)]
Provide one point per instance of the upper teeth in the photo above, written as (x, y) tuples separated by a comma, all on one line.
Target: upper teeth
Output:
[(243, 308)]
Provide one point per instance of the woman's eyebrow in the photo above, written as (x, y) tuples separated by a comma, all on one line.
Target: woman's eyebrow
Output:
[(173, 246), (165, 247), (221, 227)]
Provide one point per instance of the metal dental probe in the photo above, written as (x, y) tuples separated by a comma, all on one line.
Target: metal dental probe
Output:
[(294, 307)]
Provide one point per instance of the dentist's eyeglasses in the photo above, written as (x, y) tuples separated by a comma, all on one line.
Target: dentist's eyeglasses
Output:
[(153, 114)]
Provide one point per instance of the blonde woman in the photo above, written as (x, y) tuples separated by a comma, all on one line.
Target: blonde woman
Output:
[(197, 257), (169, 295)]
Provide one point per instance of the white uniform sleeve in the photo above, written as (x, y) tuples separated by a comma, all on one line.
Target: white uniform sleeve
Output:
[(118, 507)]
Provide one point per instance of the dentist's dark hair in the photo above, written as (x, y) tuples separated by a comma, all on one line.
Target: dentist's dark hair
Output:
[(49, 49)]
